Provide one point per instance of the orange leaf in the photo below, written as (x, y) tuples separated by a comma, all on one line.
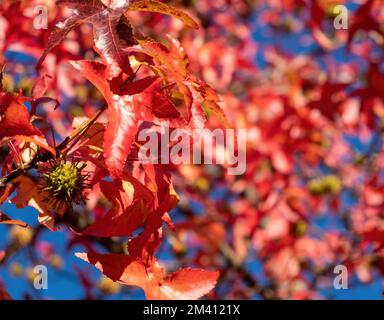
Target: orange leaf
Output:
[(28, 195), (7, 220), (217, 111), (159, 7)]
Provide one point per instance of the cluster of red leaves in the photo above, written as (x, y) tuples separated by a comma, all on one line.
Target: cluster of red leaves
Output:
[(140, 195)]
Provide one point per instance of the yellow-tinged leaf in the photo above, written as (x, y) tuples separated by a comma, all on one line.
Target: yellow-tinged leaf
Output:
[(159, 7), (214, 108)]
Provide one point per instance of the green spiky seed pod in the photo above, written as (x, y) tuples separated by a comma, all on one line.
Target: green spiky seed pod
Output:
[(64, 183)]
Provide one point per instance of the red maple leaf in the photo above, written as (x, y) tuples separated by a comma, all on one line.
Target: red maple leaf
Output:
[(184, 284)]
